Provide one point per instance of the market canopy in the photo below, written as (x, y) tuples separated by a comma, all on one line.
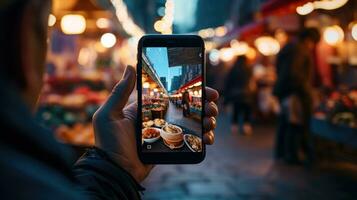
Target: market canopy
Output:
[(179, 56), (281, 7)]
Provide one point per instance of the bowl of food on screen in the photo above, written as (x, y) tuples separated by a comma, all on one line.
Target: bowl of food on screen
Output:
[(193, 142), (148, 124), (150, 135), (172, 136), (159, 122)]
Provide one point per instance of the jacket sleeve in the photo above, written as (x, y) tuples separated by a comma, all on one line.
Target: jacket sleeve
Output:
[(101, 178)]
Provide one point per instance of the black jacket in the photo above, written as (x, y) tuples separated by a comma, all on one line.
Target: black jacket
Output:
[(294, 71), (33, 165)]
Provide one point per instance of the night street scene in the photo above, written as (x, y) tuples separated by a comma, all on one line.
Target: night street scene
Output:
[(171, 99), (277, 118)]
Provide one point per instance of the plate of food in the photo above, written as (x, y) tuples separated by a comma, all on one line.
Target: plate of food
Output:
[(148, 124), (150, 135), (193, 142), (159, 122), (172, 136)]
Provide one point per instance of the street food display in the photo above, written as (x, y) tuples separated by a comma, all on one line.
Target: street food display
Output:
[(339, 108), (80, 69), (193, 142)]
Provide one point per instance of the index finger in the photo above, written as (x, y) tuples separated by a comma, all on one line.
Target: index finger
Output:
[(211, 94)]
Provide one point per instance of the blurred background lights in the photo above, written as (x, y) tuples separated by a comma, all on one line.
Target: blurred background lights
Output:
[(73, 24), (51, 20), (333, 35), (220, 31), (214, 56), (354, 31), (103, 23), (305, 9), (146, 85), (226, 54), (239, 48), (267, 45), (108, 40)]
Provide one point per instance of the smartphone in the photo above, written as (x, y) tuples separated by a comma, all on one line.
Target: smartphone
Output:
[(171, 95)]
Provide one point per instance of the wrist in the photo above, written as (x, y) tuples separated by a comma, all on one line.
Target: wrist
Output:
[(136, 171)]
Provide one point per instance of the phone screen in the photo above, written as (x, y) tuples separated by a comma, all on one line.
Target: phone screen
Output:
[(171, 98)]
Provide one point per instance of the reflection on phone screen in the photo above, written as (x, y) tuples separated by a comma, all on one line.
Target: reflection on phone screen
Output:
[(172, 99)]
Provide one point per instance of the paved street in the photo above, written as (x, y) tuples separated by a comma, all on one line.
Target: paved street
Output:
[(174, 115), (240, 167)]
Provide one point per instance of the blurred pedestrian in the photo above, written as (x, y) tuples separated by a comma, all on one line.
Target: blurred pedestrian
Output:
[(239, 90), (186, 104), (294, 91)]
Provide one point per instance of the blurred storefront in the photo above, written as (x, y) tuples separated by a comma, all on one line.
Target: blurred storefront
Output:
[(90, 42), (277, 23)]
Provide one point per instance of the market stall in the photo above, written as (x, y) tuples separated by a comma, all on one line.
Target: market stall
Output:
[(83, 65)]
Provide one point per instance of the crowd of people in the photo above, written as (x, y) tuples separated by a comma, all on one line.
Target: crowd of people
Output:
[(293, 89)]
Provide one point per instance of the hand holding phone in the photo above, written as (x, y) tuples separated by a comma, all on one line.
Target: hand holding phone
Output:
[(115, 124), (171, 100)]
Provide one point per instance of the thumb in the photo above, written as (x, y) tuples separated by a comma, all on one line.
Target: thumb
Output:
[(121, 92)]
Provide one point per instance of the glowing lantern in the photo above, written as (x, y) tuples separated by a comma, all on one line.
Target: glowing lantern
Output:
[(267, 45), (239, 48), (305, 9), (103, 23), (220, 31), (51, 20), (354, 31), (146, 85), (73, 24), (226, 54), (156, 90), (214, 56), (333, 35), (108, 40), (329, 5), (251, 54)]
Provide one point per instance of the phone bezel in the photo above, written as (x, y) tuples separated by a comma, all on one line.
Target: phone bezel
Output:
[(169, 41)]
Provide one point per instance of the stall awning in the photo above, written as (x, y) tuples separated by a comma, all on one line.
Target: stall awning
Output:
[(190, 83), (281, 7)]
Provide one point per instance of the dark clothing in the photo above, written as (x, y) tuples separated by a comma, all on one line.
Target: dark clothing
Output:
[(294, 75), (294, 67), (35, 166), (186, 104), (237, 86), (238, 92), (241, 109)]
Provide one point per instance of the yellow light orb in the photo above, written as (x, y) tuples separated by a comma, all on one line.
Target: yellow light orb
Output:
[(103, 23), (266, 45), (221, 31), (51, 20), (73, 24), (226, 54), (354, 32), (333, 35), (146, 85), (305, 9), (158, 26), (108, 40)]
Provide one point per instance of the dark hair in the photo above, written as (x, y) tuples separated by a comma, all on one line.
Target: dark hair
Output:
[(11, 13), (10, 19), (310, 34)]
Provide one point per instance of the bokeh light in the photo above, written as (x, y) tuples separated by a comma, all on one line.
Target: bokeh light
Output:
[(73, 24)]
